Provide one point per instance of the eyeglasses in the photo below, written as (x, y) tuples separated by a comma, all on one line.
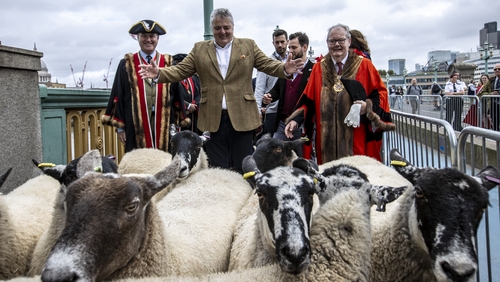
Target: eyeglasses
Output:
[(496, 69), (335, 41)]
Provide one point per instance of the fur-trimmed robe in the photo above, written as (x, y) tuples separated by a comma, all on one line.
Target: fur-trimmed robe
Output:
[(127, 107), (319, 102)]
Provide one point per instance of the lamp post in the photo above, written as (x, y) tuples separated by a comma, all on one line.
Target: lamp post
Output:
[(436, 68), (387, 79), (488, 53), (310, 52)]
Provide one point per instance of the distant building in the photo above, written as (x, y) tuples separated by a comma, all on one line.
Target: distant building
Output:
[(44, 77), (440, 55), (397, 65), (489, 34)]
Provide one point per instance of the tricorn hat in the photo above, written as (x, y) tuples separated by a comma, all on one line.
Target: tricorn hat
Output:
[(179, 57), (147, 26), (354, 88)]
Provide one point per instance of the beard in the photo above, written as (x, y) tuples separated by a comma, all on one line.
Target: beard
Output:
[(299, 55)]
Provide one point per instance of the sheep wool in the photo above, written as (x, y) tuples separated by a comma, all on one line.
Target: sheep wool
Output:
[(25, 214)]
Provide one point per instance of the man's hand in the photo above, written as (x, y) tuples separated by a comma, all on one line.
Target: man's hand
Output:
[(149, 70), (293, 66), (267, 99), (192, 108), (122, 137), (363, 106), (289, 128)]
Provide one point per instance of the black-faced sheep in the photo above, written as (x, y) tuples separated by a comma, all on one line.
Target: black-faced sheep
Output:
[(428, 233), (274, 226), (4, 176), (271, 152)]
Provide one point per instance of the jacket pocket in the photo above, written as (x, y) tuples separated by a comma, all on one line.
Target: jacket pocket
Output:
[(203, 100), (249, 97)]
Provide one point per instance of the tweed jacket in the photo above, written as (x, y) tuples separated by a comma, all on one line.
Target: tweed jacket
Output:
[(237, 85)]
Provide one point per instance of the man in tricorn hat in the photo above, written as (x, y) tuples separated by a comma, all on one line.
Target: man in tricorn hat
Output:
[(141, 108)]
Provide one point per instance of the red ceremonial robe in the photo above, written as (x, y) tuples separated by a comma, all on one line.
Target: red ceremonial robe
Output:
[(325, 109)]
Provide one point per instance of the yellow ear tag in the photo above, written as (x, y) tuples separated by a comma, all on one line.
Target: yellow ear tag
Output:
[(248, 174), (45, 165), (398, 163), (315, 180), (304, 138), (98, 169)]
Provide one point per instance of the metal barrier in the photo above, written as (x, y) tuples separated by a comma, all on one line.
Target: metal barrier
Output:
[(427, 141), (477, 148), (424, 141)]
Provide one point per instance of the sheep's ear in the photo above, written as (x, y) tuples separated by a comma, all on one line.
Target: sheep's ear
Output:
[(381, 195), (50, 169), (250, 170), (310, 168), (155, 183), (91, 161), (489, 177), (290, 145), (405, 168), (205, 137), (4, 176), (173, 129)]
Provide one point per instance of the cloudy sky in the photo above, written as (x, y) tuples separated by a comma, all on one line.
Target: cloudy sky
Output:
[(92, 31)]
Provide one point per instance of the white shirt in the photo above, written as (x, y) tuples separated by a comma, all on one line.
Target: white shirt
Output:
[(223, 56), (343, 63)]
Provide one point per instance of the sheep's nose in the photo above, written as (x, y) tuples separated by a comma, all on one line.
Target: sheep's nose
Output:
[(466, 272), (59, 275)]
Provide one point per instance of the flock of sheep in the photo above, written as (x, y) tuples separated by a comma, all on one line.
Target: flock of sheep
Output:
[(170, 217)]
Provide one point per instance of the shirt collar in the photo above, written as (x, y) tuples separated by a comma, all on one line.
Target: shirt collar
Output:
[(217, 46), (144, 55)]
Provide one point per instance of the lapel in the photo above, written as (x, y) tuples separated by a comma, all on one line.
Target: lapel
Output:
[(212, 55), (235, 53), (306, 73)]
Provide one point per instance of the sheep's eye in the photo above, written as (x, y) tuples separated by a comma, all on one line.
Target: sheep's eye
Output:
[(419, 192), (132, 207), (259, 194)]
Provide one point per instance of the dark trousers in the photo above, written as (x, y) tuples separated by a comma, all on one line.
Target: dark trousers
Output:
[(454, 105), (270, 123), (495, 113), (227, 147)]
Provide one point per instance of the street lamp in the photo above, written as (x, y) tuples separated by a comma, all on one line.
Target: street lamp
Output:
[(436, 68), (310, 52), (387, 79), (405, 73), (488, 53)]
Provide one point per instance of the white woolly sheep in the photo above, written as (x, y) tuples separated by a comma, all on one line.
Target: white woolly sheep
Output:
[(340, 247), (25, 215), (65, 175), (428, 233), (186, 144), (187, 232)]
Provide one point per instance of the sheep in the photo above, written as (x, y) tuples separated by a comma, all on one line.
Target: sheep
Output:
[(189, 230), (340, 247), (271, 152), (112, 227), (187, 144), (24, 216), (64, 175), (274, 225), (428, 235)]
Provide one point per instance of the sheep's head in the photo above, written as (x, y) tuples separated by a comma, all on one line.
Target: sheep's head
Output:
[(448, 206), (108, 218), (286, 204), (271, 152), (188, 146)]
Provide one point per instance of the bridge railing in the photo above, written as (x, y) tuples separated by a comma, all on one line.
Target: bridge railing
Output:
[(71, 125)]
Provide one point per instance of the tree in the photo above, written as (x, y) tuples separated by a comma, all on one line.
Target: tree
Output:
[(382, 73), (390, 72)]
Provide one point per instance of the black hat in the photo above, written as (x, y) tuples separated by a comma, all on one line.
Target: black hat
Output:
[(354, 88), (179, 57), (147, 26)]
